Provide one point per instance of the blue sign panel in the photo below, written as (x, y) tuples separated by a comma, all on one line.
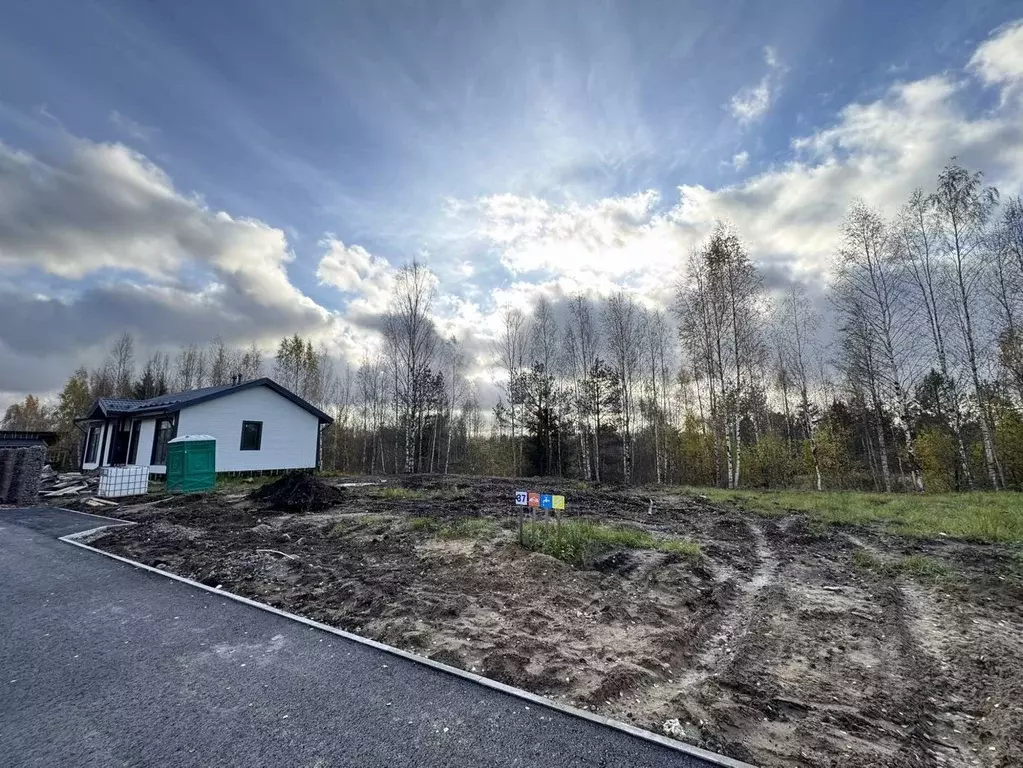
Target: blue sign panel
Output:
[(546, 501)]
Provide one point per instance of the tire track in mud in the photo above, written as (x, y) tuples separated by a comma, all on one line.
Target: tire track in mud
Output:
[(925, 657), (719, 648)]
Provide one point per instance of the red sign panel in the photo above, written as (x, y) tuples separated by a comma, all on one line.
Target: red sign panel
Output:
[(534, 499)]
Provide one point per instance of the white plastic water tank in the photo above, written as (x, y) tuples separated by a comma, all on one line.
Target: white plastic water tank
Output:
[(115, 482)]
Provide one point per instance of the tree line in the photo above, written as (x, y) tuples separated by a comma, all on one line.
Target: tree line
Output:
[(905, 373)]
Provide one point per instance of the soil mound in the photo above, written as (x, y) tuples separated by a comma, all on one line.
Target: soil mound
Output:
[(299, 492)]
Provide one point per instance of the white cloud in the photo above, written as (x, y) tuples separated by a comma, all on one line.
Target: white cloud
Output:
[(105, 206), (131, 252), (353, 269), (999, 59), (790, 215), (585, 240), (878, 151), (106, 211), (752, 102)]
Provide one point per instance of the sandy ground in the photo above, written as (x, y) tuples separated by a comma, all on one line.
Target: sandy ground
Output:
[(786, 644)]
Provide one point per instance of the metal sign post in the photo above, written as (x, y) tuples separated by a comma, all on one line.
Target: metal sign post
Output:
[(521, 499), (533, 500)]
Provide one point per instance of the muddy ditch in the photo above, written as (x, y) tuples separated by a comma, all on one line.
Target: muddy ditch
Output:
[(783, 644)]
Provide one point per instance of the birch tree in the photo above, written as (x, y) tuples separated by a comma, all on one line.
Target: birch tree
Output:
[(1006, 285), (454, 364), (872, 282), (799, 323), (963, 208), (622, 328), (918, 232), (510, 350), (581, 344), (412, 339), (122, 365)]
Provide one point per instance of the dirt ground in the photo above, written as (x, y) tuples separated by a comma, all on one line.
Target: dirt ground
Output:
[(785, 644)]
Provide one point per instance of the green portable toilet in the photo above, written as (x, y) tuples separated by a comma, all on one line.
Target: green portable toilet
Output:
[(191, 464)]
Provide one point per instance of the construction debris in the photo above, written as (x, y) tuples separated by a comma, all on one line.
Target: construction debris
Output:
[(63, 487)]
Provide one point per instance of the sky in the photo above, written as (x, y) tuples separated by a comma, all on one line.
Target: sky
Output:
[(252, 169)]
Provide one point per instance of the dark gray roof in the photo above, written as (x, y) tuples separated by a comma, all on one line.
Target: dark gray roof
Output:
[(119, 404), (155, 406), (19, 438)]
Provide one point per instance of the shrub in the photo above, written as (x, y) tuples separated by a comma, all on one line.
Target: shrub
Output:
[(936, 450)]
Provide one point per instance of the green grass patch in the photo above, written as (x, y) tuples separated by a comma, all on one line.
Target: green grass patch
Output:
[(460, 528), (919, 567), (419, 494), (978, 516), (924, 567), (861, 558), (578, 542), (379, 524), (681, 547)]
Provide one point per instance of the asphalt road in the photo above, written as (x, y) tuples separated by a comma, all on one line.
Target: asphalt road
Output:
[(108, 665)]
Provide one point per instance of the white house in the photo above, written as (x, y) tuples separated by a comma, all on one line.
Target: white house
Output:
[(258, 425)]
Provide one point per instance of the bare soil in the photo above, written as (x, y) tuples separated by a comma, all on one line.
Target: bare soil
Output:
[(781, 646)]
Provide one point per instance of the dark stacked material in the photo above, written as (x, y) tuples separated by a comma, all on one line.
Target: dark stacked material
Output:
[(299, 492), (20, 471)]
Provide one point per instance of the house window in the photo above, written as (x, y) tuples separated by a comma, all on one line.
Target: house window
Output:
[(252, 435), (164, 432), (92, 445)]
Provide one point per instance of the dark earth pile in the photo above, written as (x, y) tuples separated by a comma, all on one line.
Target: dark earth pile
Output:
[(299, 492)]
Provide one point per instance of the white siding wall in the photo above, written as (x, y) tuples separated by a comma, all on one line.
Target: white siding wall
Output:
[(289, 431)]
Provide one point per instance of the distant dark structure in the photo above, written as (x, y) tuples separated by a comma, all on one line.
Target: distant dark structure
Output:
[(21, 468), (17, 438)]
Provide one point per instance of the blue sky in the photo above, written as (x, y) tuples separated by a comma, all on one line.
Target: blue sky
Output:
[(385, 123)]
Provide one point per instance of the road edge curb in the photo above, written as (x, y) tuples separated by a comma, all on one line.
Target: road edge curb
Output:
[(678, 746)]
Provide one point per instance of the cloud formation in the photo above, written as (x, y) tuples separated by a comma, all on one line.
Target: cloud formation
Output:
[(790, 214), (108, 243), (353, 270), (752, 102), (119, 248), (999, 59)]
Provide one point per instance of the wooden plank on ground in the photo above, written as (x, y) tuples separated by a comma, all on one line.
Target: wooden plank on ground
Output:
[(67, 491)]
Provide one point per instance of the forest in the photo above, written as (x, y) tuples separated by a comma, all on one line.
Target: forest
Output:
[(904, 373)]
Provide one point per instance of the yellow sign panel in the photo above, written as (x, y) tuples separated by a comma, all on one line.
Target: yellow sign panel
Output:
[(559, 502)]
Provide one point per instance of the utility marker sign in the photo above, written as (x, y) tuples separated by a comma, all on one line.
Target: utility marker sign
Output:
[(541, 500), (532, 499)]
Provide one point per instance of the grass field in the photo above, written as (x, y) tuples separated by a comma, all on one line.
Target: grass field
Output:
[(578, 542), (979, 516)]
